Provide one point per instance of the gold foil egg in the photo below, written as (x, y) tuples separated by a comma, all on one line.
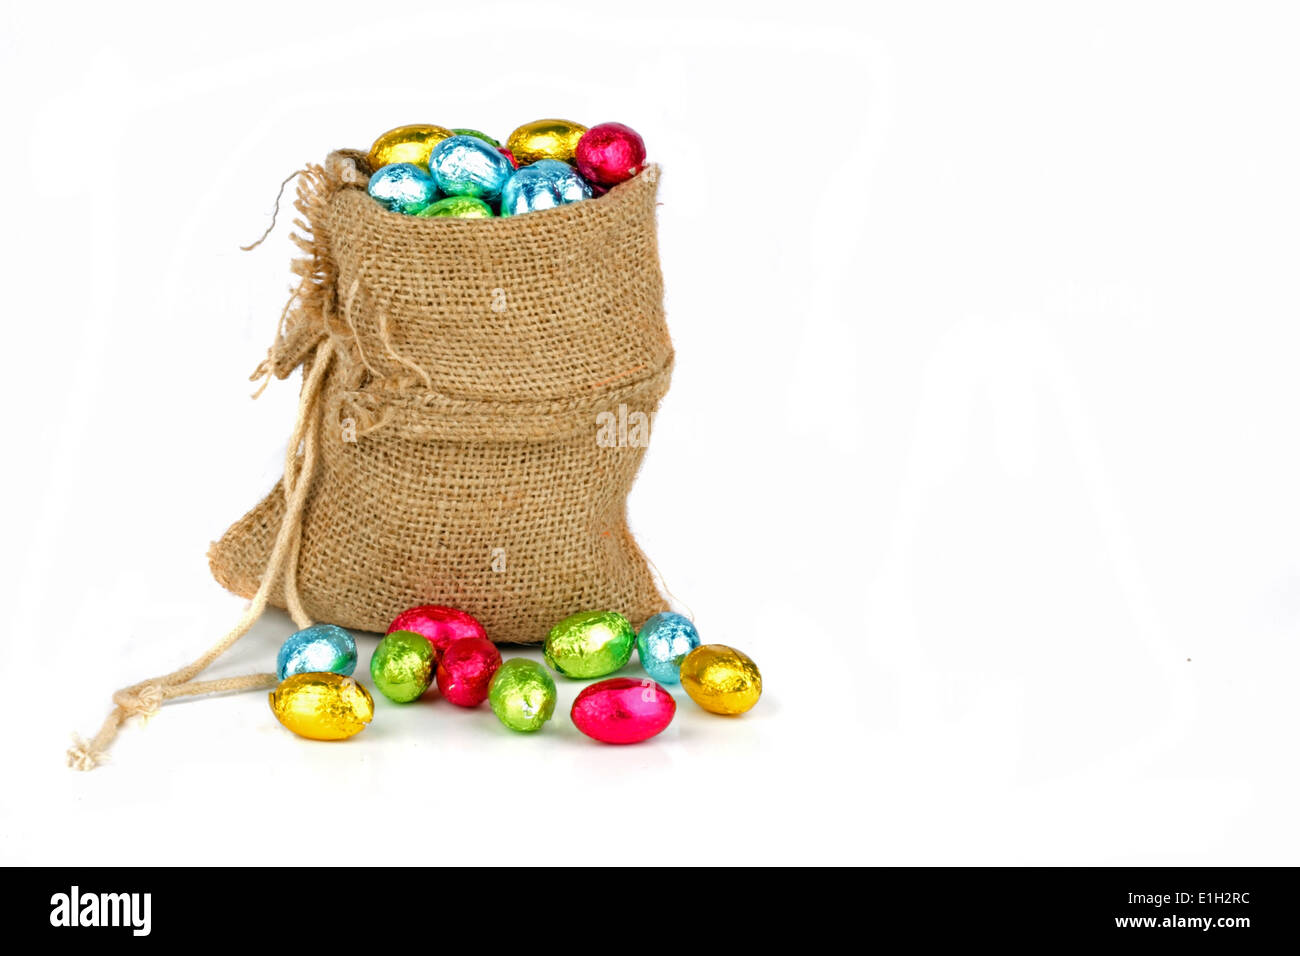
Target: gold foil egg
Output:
[(322, 706), (721, 679), (407, 144), (545, 139)]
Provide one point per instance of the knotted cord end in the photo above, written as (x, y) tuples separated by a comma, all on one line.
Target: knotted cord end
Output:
[(82, 755)]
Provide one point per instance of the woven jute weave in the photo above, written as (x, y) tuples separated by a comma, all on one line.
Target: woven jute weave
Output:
[(457, 420)]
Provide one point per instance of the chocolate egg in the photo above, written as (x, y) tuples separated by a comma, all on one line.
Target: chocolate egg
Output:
[(440, 624), (402, 187), (465, 670), (721, 679), (609, 154), (469, 166), (481, 135), (456, 207), (545, 184), (545, 139), (315, 649), (622, 710), (522, 695), (590, 644), (407, 144), (663, 643), (322, 706), (402, 666)]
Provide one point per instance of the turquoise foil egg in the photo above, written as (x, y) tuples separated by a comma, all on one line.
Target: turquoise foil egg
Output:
[(321, 648), (663, 643), (545, 184), (402, 187), (468, 166)]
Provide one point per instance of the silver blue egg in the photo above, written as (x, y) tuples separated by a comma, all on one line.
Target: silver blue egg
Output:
[(321, 648), (663, 643), (545, 184), (403, 187), (468, 166)]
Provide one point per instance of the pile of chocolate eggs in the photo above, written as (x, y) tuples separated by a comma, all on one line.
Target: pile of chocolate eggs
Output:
[(434, 172), (433, 644)]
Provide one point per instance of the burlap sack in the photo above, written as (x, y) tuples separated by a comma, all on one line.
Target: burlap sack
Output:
[(470, 368), (474, 408)]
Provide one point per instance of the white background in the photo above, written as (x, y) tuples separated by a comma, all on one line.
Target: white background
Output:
[(982, 440)]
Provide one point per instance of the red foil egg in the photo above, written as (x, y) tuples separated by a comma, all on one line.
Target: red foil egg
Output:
[(466, 670), (441, 625), (609, 154), (622, 710), (508, 155)]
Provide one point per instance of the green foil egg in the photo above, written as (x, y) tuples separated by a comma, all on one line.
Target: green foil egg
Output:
[(481, 135), (590, 644), (522, 695), (458, 207), (402, 666)]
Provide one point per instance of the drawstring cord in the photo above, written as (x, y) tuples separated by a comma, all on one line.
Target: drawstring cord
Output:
[(145, 698)]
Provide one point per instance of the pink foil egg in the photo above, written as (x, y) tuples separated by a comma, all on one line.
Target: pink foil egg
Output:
[(622, 710), (441, 625), (609, 154), (466, 669)]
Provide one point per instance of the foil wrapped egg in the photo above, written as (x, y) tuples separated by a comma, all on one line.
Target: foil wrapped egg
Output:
[(465, 670), (721, 679), (545, 184), (456, 207), (663, 643), (469, 166), (590, 644), (522, 695), (402, 187), (407, 144), (402, 666), (440, 624), (316, 649), (545, 139), (322, 706), (479, 133), (609, 154), (622, 710)]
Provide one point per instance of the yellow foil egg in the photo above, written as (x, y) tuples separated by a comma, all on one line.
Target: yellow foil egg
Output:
[(322, 706), (545, 139), (407, 144), (721, 679)]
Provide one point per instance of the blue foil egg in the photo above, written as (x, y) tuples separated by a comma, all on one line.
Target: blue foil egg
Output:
[(545, 184), (664, 641), (468, 166), (321, 648), (403, 187)]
